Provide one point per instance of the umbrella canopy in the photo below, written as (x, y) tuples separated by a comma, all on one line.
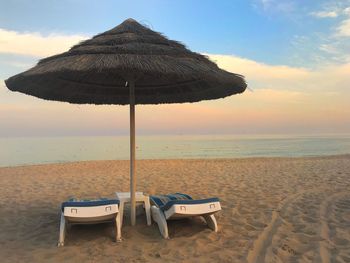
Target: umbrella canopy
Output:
[(95, 71), (129, 64)]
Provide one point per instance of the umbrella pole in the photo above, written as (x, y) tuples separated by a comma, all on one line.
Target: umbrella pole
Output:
[(132, 153)]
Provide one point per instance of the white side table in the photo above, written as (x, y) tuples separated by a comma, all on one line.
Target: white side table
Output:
[(124, 197)]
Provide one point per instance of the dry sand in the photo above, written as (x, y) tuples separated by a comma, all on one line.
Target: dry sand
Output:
[(274, 210)]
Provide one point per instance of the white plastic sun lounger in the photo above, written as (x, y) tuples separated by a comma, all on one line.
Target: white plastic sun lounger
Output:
[(89, 212), (177, 206)]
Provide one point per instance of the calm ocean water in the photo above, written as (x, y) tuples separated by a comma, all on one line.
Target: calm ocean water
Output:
[(23, 151)]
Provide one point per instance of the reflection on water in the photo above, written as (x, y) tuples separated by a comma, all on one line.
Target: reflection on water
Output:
[(20, 151)]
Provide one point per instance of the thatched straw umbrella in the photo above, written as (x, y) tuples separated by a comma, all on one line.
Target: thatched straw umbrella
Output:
[(129, 64)]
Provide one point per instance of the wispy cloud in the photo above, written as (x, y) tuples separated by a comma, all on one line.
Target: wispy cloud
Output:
[(324, 14), (343, 30), (346, 11), (284, 6), (337, 10), (36, 44), (329, 44)]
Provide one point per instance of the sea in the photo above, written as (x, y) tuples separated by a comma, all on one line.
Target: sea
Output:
[(45, 150)]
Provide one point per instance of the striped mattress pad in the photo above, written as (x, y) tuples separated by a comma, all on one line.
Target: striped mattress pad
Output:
[(164, 202), (73, 202)]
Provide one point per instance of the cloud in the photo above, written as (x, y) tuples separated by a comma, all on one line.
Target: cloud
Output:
[(346, 11), (36, 44), (337, 10), (277, 6), (324, 14), (284, 100), (343, 30), (326, 43), (330, 43), (259, 71), (283, 77), (291, 96)]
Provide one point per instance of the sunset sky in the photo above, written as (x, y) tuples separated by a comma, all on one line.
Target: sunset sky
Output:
[(293, 53)]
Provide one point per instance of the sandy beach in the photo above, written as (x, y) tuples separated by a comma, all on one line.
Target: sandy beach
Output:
[(273, 210)]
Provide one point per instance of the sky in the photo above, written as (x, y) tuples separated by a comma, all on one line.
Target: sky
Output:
[(294, 55)]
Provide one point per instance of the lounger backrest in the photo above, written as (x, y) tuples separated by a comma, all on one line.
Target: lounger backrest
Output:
[(87, 203), (162, 200), (189, 202)]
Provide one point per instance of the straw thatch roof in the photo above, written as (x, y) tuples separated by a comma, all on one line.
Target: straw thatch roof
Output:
[(95, 71)]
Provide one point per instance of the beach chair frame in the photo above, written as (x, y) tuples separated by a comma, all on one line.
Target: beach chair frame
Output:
[(89, 215), (178, 211)]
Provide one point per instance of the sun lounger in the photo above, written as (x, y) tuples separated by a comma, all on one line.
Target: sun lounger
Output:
[(177, 206), (89, 212)]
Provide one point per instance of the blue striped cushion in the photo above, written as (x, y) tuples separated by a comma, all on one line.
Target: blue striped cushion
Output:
[(88, 202), (164, 202), (189, 202), (161, 200)]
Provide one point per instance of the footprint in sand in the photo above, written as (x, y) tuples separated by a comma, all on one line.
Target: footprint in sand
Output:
[(306, 227), (336, 228)]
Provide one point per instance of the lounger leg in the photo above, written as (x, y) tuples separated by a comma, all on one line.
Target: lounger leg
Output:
[(148, 211), (121, 212), (159, 218), (211, 222), (118, 237), (62, 231)]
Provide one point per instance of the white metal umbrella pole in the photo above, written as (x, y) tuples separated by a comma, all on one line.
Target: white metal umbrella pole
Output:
[(132, 153)]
